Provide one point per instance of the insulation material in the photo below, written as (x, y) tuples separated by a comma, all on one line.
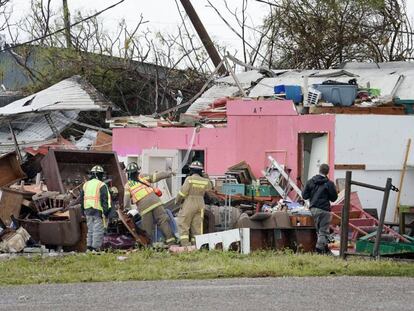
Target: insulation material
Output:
[(87, 140), (217, 91)]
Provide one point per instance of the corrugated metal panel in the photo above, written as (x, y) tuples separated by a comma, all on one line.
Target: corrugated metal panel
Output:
[(70, 94), (388, 65), (34, 131)]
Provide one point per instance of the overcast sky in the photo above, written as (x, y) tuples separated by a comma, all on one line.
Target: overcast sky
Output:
[(163, 14)]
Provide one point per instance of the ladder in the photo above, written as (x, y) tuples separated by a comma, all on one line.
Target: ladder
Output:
[(281, 181)]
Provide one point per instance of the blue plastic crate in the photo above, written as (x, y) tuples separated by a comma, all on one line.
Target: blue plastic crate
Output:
[(338, 94), (292, 92)]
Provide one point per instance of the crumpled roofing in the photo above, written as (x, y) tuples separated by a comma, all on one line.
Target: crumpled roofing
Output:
[(34, 130), (70, 94)]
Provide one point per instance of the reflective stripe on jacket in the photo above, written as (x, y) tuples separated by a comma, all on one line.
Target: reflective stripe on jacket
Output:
[(138, 190), (92, 194), (194, 185)]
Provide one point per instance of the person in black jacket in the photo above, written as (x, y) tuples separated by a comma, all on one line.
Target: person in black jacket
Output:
[(320, 191)]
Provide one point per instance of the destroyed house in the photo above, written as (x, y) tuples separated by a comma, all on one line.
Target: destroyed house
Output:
[(368, 135), (128, 83), (40, 118)]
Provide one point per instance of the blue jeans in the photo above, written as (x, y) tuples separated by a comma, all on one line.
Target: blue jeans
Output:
[(95, 231)]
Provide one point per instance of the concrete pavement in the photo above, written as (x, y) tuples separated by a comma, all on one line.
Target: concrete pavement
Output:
[(327, 293)]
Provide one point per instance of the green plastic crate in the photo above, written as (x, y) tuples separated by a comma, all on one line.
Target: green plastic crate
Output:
[(407, 103), (233, 189), (386, 248), (261, 191)]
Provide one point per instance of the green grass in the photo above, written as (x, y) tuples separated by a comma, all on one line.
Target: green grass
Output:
[(151, 265)]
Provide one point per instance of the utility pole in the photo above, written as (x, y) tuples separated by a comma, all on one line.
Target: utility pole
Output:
[(202, 33), (66, 18)]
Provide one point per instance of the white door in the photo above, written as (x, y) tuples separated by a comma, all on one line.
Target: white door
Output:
[(160, 160), (318, 155)]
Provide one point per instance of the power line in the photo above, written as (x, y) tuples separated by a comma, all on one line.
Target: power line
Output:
[(61, 29), (366, 26)]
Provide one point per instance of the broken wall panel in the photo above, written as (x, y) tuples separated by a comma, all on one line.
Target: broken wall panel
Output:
[(10, 204), (65, 169), (103, 142), (10, 170)]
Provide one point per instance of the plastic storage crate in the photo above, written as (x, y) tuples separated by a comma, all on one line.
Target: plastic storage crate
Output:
[(292, 92), (407, 103), (386, 248), (261, 191), (233, 189), (337, 94)]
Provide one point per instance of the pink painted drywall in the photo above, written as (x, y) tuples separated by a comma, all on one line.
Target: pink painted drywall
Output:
[(255, 129)]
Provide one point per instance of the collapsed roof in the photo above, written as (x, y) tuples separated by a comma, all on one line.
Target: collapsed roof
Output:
[(389, 77), (73, 94), (37, 119)]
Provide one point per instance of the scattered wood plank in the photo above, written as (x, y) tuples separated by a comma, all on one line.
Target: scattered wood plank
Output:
[(392, 110), (350, 167), (403, 171)]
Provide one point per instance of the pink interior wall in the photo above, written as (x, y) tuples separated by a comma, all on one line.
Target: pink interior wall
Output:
[(255, 129)]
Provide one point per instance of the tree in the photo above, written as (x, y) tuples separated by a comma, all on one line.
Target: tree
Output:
[(252, 36), (324, 33), (5, 12), (139, 70)]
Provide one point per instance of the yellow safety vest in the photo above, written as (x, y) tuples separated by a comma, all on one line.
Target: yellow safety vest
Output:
[(92, 194), (138, 190)]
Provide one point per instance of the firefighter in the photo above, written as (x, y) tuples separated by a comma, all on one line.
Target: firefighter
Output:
[(191, 214), (139, 191), (96, 204)]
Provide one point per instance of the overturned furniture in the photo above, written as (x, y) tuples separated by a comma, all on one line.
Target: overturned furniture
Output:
[(275, 231), (11, 203), (57, 232), (10, 170)]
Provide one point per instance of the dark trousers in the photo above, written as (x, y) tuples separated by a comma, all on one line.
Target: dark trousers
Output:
[(322, 221)]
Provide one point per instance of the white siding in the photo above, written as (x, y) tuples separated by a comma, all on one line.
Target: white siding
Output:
[(379, 142)]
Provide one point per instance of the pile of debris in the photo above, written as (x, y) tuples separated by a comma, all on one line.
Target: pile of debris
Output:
[(49, 211), (349, 90)]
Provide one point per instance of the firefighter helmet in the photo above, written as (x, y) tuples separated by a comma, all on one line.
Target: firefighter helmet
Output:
[(97, 169), (133, 167), (196, 165)]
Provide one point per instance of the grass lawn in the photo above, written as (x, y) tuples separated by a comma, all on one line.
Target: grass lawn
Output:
[(151, 265)]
